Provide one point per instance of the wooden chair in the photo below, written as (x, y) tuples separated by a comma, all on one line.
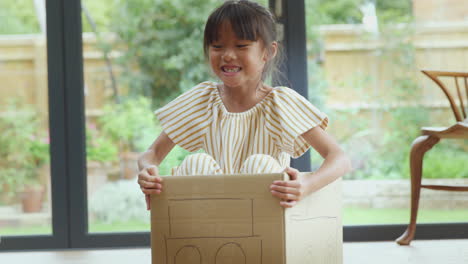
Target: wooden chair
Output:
[(431, 136)]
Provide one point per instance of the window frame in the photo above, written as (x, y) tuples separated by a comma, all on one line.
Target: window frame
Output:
[(67, 132)]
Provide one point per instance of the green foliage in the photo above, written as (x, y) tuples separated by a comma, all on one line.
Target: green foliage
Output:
[(383, 153), (324, 12), (321, 12), (445, 162), (18, 17), (379, 149), (119, 201), (317, 85), (385, 216), (23, 146), (130, 123), (395, 11), (174, 159), (163, 38), (127, 226), (101, 14), (387, 156), (99, 147)]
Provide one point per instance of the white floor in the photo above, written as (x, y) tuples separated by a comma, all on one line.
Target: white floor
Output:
[(420, 252)]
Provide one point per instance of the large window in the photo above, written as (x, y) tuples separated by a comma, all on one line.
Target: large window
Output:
[(364, 71), (73, 120)]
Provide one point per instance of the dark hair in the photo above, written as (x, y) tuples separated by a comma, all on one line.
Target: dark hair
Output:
[(249, 21)]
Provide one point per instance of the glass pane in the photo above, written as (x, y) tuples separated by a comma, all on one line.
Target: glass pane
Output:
[(25, 199), (112, 126), (364, 65)]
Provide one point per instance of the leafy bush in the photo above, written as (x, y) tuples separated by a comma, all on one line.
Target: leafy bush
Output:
[(99, 147), (163, 40), (18, 17), (24, 147), (384, 154), (389, 159), (324, 12), (130, 123), (445, 162), (101, 14), (175, 157), (119, 201)]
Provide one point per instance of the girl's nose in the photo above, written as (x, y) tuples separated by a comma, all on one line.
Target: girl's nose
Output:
[(228, 55)]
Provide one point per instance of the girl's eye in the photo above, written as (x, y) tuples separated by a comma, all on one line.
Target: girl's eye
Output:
[(216, 46), (242, 46)]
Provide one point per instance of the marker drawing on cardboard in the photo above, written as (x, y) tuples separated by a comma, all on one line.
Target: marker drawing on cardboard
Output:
[(231, 219), (233, 239)]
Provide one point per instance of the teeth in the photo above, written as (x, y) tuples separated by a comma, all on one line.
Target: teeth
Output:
[(231, 69)]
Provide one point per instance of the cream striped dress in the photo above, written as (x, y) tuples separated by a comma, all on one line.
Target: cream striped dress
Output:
[(198, 119)]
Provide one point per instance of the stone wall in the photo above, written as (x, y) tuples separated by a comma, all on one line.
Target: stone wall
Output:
[(397, 193)]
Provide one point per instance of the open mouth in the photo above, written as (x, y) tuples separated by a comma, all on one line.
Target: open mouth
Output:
[(230, 69)]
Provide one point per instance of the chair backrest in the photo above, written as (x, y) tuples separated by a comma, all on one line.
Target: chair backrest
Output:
[(460, 82)]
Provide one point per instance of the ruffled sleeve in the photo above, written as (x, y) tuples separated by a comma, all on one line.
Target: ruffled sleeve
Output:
[(186, 118), (289, 116)]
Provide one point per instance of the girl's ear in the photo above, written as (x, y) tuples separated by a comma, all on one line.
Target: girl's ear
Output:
[(274, 49), (271, 51)]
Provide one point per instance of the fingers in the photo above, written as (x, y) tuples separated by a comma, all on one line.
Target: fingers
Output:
[(151, 190), (149, 184), (149, 180), (288, 204), (148, 202), (152, 170), (289, 192), (285, 196), (293, 173), (288, 200), (293, 184), (285, 189), (146, 175)]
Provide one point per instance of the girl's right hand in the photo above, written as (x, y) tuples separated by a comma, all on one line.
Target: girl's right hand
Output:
[(150, 183)]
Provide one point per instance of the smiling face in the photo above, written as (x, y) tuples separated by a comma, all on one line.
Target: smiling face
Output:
[(237, 62)]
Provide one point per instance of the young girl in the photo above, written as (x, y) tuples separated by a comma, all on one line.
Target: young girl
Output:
[(243, 125)]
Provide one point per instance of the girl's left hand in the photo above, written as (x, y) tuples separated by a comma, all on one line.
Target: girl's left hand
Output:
[(290, 192)]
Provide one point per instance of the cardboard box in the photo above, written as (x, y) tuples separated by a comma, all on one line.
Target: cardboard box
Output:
[(235, 219)]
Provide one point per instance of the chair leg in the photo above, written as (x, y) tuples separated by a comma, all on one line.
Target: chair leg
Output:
[(419, 147)]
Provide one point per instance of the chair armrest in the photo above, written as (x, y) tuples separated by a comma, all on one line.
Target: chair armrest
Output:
[(459, 130)]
